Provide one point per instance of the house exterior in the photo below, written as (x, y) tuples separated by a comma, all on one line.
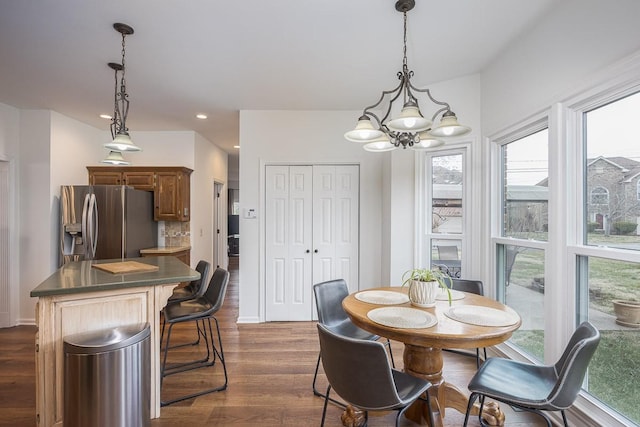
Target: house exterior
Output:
[(613, 194)]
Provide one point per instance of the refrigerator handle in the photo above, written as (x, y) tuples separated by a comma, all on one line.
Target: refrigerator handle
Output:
[(83, 230), (93, 224)]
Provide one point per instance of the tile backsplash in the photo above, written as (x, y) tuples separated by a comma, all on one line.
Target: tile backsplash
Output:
[(174, 233)]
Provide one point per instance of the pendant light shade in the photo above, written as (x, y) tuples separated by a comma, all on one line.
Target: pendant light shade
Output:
[(379, 146), (364, 131), (410, 120), (449, 126), (122, 142), (115, 158)]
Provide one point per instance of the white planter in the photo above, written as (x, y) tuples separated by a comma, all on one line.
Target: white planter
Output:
[(423, 294)]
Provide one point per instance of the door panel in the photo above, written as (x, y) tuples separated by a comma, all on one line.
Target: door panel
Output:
[(311, 235)]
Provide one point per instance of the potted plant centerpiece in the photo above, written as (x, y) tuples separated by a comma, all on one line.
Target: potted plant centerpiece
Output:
[(425, 284)]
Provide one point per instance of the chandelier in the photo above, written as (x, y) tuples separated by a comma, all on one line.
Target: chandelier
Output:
[(119, 131), (409, 128)]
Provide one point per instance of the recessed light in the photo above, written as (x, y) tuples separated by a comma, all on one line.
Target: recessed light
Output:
[(201, 116), (236, 146), (105, 116)]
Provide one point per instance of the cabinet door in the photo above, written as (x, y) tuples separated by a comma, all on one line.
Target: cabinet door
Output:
[(166, 197), (105, 178), (140, 180)]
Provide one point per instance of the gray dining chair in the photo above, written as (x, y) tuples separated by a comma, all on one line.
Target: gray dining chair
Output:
[(472, 287), (329, 296), (203, 310), (360, 373), (537, 388)]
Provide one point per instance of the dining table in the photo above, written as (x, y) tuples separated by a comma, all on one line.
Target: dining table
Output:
[(466, 321)]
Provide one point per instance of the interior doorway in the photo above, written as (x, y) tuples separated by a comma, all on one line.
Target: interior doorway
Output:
[(217, 225)]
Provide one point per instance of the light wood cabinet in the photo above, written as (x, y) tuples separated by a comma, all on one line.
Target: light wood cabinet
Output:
[(171, 186)]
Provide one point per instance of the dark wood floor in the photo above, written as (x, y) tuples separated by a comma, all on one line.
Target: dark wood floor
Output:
[(270, 373)]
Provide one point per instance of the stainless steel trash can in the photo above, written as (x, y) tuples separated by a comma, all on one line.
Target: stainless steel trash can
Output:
[(107, 377)]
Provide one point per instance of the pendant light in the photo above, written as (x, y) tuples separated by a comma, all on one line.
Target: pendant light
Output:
[(119, 131), (410, 128)]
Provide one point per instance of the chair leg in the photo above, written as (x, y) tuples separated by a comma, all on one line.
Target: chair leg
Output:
[(472, 400), (212, 350), (564, 418), (390, 353), (324, 407), (315, 377)]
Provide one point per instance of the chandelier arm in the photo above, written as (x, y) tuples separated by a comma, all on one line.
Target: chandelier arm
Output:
[(397, 89)]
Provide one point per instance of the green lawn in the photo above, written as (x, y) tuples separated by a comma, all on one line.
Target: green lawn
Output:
[(613, 372)]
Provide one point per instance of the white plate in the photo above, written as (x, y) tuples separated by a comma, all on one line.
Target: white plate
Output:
[(482, 316), (382, 297), (402, 317), (455, 295)]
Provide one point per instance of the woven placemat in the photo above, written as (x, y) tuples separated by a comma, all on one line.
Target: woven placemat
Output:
[(382, 297), (482, 316), (402, 317)]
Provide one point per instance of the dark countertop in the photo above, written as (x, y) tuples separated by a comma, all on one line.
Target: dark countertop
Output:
[(79, 277)]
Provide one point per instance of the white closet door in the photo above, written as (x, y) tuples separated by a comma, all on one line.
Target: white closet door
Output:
[(288, 243), (335, 224), (311, 235)]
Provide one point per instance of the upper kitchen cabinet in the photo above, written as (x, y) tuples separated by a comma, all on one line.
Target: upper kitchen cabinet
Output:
[(170, 185), (172, 195)]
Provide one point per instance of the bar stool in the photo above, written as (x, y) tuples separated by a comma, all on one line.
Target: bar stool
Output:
[(201, 309)]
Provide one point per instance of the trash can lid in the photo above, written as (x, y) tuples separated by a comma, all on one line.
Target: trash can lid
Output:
[(107, 339)]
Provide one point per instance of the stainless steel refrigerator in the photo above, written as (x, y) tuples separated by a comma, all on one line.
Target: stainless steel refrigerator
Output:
[(105, 222)]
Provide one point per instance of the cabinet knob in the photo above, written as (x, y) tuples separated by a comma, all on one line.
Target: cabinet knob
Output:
[(307, 251), (315, 251)]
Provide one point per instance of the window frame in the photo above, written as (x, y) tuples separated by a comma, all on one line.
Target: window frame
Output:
[(424, 196)]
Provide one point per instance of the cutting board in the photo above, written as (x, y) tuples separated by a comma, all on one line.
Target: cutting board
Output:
[(126, 267)]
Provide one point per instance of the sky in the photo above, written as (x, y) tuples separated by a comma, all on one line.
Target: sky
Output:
[(610, 133)]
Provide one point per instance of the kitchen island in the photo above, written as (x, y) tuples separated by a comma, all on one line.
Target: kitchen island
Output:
[(79, 298)]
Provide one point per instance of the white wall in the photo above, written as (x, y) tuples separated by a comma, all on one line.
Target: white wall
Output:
[(301, 137), (36, 257), (211, 166), (576, 39)]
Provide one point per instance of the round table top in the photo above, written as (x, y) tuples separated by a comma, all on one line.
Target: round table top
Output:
[(446, 333)]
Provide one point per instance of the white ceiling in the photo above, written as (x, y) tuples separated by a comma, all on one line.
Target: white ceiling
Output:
[(219, 57)]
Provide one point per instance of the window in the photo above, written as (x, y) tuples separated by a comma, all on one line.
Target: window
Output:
[(599, 196), (612, 210), (608, 252), (443, 187), (525, 189), (520, 248)]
